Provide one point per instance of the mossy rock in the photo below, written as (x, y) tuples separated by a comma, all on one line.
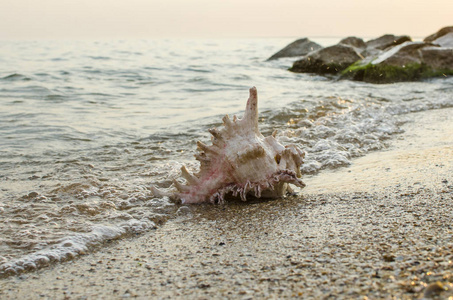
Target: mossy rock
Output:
[(382, 73)]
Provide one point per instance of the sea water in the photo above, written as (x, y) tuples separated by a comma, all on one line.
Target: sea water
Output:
[(87, 127)]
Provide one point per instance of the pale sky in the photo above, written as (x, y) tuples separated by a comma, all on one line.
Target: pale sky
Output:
[(71, 19)]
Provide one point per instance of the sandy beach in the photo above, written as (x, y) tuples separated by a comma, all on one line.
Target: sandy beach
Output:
[(381, 228)]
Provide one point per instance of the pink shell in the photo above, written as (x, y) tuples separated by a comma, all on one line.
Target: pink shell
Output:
[(241, 162)]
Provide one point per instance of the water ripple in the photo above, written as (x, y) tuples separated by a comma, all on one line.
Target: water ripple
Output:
[(84, 137)]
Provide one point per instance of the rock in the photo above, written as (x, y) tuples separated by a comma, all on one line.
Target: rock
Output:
[(434, 289), (438, 34), (299, 47), (388, 257), (388, 40), (402, 54), (409, 61), (438, 58), (386, 59), (330, 60), (354, 42), (445, 40)]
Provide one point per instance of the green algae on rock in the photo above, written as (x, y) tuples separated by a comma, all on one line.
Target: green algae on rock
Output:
[(410, 61), (388, 73)]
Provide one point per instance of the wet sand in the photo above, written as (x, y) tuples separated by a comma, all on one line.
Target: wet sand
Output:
[(380, 228)]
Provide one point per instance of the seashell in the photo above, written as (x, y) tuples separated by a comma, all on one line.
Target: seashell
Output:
[(241, 162)]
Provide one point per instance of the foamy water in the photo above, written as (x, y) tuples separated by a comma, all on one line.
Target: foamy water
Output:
[(87, 127)]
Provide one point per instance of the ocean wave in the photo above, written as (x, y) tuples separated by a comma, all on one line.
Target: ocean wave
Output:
[(16, 77), (73, 246)]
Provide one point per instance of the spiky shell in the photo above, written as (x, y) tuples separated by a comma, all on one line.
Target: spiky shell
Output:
[(241, 161)]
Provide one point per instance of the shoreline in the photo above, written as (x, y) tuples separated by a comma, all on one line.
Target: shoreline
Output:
[(379, 228)]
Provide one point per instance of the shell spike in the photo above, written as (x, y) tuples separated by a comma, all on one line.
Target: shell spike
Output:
[(215, 133), (179, 186), (191, 179), (159, 193), (274, 133), (245, 190), (205, 148), (258, 191), (227, 121), (251, 110), (243, 194)]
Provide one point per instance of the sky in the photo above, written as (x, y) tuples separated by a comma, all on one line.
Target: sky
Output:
[(74, 19)]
